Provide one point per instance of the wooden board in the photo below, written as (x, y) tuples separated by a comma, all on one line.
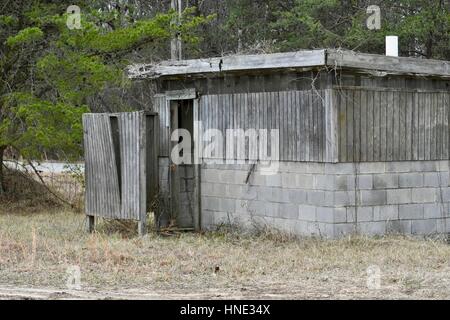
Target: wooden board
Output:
[(392, 125)]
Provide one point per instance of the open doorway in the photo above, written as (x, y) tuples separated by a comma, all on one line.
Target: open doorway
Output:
[(184, 179)]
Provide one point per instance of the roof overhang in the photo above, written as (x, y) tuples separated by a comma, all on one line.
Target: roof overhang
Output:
[(374, 64)]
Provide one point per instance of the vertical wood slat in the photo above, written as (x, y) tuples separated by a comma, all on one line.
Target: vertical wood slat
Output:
[(102, 182), (392, 125), (116, 164), (300, 117)]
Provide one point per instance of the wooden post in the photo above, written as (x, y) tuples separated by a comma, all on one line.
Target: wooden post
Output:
[(142, 224), (142, 227), (90, 224), (2, 151), (175, 44)]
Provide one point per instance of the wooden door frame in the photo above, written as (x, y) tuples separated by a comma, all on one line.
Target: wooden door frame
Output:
[(187, 94)]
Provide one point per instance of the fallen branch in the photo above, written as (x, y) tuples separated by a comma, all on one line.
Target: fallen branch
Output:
[(46, 187)]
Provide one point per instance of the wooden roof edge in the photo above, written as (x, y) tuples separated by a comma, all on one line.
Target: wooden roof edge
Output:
[(382, 65), (335, 58)]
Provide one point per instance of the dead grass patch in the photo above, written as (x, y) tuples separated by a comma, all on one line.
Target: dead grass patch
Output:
[(36, 250)]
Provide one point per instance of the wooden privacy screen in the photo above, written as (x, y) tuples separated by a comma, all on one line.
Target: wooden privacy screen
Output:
[(120, 164)]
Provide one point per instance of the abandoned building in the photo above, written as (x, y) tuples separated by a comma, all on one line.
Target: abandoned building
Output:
[(362, 142)]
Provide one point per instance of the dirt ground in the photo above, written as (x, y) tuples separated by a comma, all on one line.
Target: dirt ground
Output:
[(39, 253)]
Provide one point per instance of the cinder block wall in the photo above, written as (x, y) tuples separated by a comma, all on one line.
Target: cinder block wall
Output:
[(330, 200)]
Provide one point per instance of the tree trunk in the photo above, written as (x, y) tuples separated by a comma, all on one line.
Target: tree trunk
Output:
[(2, 186)]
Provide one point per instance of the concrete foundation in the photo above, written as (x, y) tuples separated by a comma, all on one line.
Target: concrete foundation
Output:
[(330, 199)]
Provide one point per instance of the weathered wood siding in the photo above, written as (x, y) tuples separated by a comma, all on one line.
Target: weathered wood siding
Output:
[(102, 177), (116, 164), (380, 124), (300, 117), (161, 106)]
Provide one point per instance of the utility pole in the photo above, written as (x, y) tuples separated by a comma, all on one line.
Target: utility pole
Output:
[(175, 43)]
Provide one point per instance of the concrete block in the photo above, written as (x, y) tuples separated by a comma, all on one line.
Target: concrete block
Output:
[(288, 211), (297, 196), (444, 180), (340, 215), (351, 214), (372, 197), (345, 182), (294, 167), (316, 168), (324, 182), (343, 229), (431, 179), (315, 197), (398, 227), (364, 214), (233, 191), (207, 219), (383, 213), (432, 210), (344, 198), (400, 166), (324, 230), (385, 181), (207, 189), (239, 177), (443, 225), (255, 180), (220, 190), (306, 212), (399, 196), (304, 181), (325, 214), (365, 182), (371, 228), (410, 211), (445, 193), (328, 199), (442, 165), (211, 175), (427, 166), (339, 168), (273, 180), (424, 227), (247, 192), (423, 195), (210, 203), (371, 167), (264, 193), (242, 206), (410, 180), (227, 205), (256, 207), (280, 195), (273, 209), (288, 180)]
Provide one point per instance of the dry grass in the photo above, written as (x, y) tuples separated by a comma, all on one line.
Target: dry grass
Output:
[(35, 250)]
